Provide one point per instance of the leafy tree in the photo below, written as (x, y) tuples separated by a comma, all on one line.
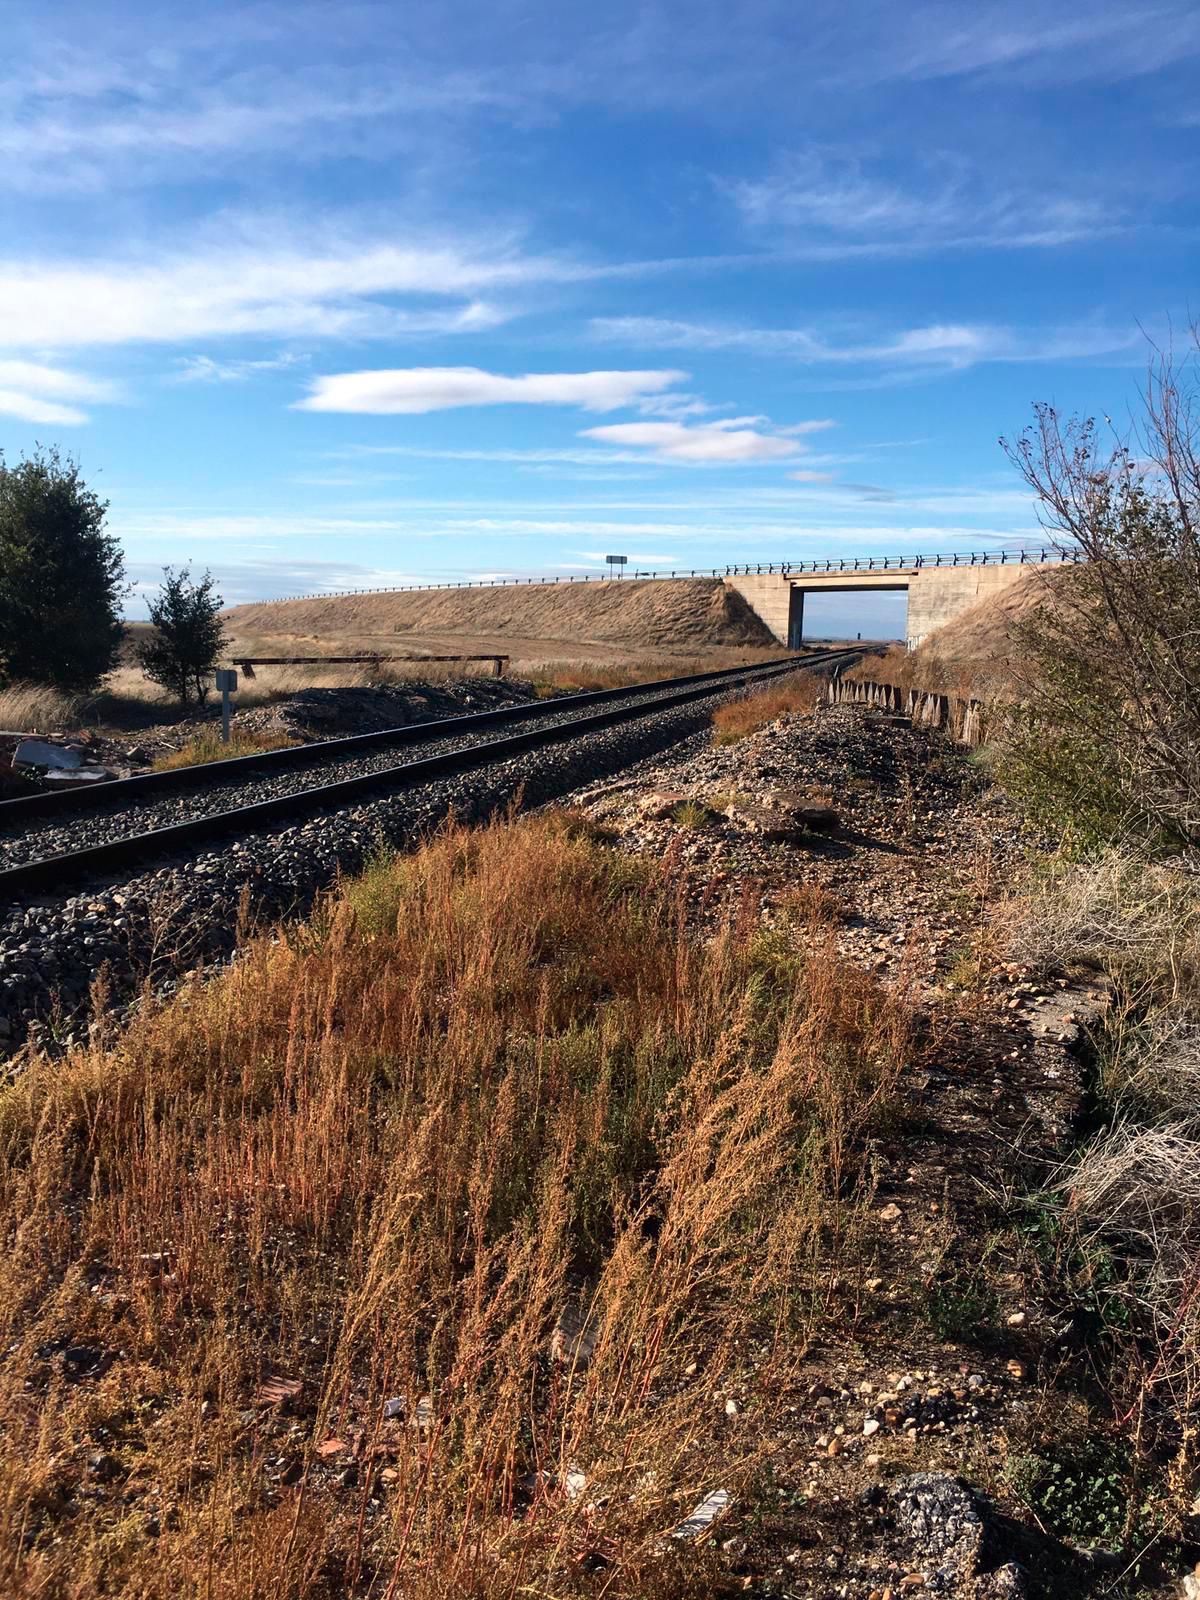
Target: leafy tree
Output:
[(1107, 737), (61, 576), (188, 636)]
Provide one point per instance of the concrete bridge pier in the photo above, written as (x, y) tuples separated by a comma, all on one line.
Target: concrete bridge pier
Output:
[(936, 594), (777, 600)]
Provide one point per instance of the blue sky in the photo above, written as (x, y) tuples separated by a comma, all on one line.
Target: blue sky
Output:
[(329, 296)]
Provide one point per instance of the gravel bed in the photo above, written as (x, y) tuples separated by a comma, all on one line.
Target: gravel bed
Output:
[(42, 837), (159, 924)]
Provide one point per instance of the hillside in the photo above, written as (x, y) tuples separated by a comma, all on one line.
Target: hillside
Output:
[(690, 612)]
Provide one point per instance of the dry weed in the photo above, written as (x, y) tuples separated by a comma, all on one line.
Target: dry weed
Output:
[(36, 708), (1130, 1200), (797, 694), (207, 746), (283, 1265), (1138, 919)]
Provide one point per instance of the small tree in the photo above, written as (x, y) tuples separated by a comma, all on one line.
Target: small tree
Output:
[(1108, 733), (188, 636), (61, 576)]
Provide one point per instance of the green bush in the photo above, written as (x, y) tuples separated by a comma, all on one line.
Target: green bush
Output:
[(1082, 1491), (188, 636)]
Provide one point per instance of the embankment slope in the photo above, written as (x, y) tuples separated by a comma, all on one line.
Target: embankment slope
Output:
[(684, 612)]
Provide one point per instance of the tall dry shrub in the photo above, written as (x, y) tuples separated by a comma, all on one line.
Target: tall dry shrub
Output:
[(1108, 735)]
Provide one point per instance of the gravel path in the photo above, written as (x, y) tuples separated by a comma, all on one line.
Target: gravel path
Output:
[(42, 837), (158, 924)]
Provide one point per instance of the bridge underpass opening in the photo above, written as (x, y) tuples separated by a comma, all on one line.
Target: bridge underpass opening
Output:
[(843, 614)]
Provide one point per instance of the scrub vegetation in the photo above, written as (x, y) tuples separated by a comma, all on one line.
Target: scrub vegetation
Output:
[(425, 1250), (797, 692), (207, 746)]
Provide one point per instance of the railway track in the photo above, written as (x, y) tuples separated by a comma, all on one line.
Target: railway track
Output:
[(52, 841)]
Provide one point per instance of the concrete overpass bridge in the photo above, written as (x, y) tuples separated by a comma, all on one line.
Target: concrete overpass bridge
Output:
[(939, 588)]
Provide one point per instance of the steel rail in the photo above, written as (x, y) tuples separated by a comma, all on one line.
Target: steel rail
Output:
[(159, 843), (146, 784)]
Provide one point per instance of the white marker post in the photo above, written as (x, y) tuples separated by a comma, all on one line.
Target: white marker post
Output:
[(227, 683)]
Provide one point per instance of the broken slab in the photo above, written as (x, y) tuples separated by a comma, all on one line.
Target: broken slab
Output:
[(41, 753), (705, 1514), (659, 805), (78, 775), (767, 823)]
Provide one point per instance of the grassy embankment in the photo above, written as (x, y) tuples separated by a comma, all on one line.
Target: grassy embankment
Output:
[(373, 1163)]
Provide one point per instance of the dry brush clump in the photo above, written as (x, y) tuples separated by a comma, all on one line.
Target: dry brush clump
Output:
[(207, 746), (1106, 738), (38, 708), (797, 693), (283, 1264), (1129, 1200)]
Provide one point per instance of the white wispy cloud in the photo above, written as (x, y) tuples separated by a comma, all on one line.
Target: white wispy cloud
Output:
[(240, 581), (34, 392), (131, 107), (411, 390), (830, 203), (948, 346), (728, 442), (265, 279), (640, 558), (262, 276), (207, 369), (69, 121), (1029, 39)]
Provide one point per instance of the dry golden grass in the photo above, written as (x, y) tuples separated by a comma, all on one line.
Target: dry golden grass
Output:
[(978, 654), (797, 693), (272, 684), (36, 708), (687, 613), (207, 747), (374, 1160)]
